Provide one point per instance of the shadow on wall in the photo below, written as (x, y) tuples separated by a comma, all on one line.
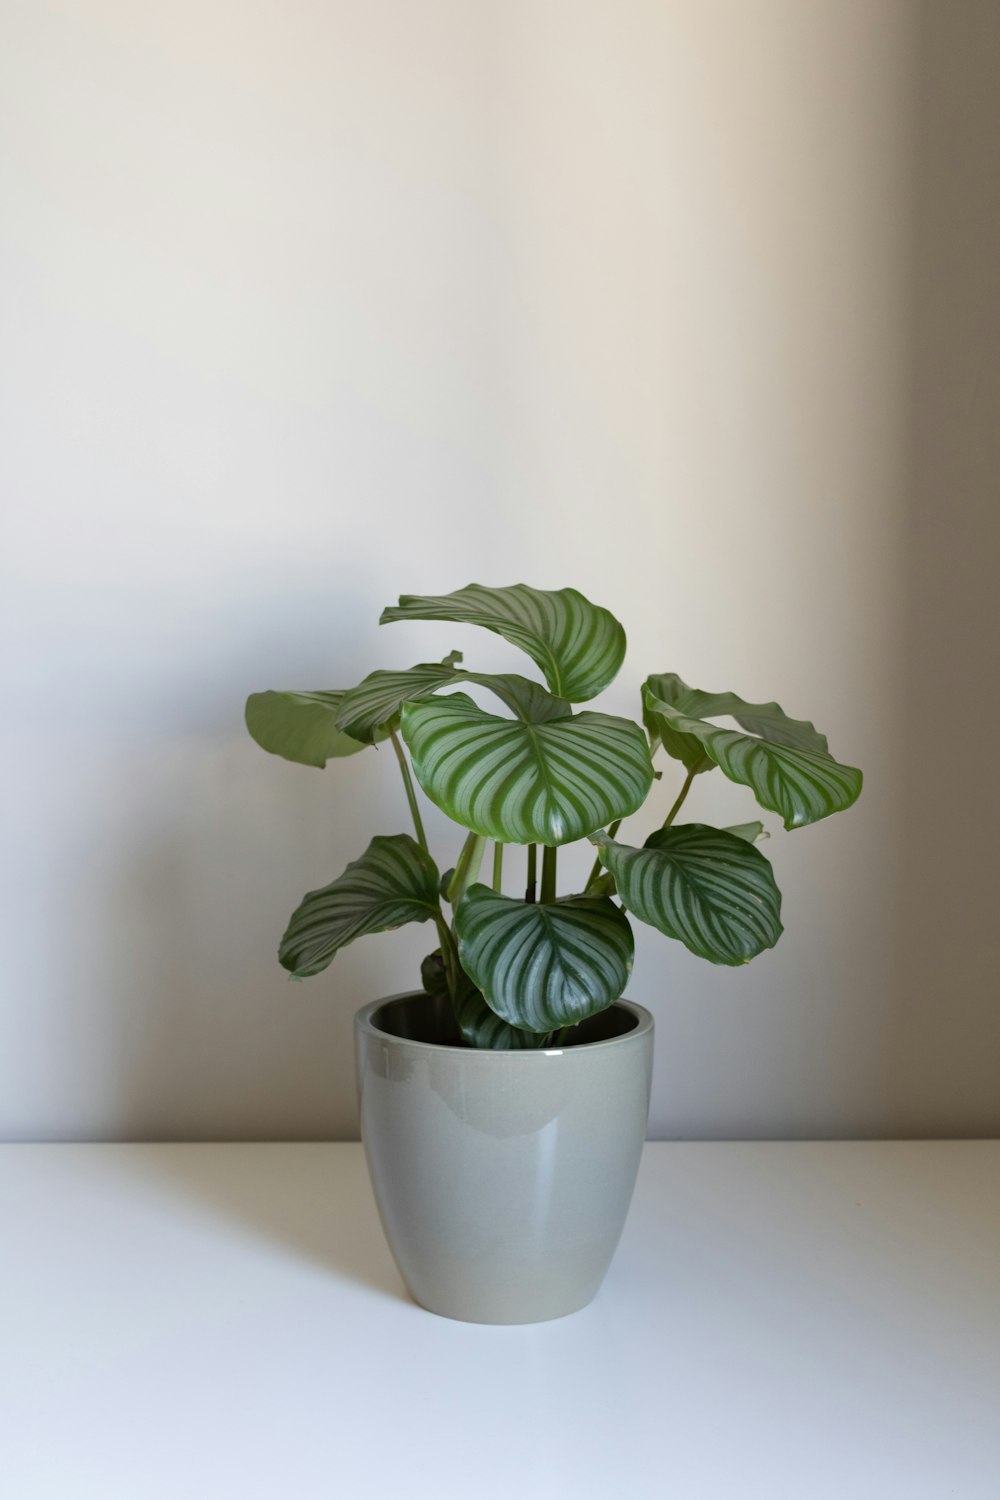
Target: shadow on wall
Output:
[(209, 1029), (945, 1034)]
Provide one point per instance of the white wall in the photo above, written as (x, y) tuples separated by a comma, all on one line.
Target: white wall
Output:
[(305, 305)]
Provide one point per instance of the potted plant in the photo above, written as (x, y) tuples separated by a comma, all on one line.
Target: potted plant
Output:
[(503, 1106)]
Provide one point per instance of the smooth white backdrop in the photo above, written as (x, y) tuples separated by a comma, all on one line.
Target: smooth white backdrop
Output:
[(308, 305)]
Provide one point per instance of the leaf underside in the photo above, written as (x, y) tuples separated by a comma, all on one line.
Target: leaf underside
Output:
[(300, 727)]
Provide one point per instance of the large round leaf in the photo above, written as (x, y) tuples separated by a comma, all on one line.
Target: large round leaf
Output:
[(802, 784), (522, 783), (710, 888), (480, 1027), (299, 726), (393, 882), (544, 966), (578, 645)]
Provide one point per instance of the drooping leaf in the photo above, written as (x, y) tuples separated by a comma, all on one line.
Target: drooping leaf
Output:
[(578, 645), (547, 965), (377, 699), (521, 783), (480, 1026), (766, 720), (299, 726), (788, 772), (394, 882), (705, 886), (752, 832)]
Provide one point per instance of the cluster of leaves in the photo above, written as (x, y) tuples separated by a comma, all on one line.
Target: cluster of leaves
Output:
[(520, 973)]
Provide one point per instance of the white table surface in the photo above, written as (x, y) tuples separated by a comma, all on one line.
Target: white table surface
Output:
[(782, 1320)]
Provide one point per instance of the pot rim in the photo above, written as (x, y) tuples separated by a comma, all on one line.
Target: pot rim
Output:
[(363, 1023)]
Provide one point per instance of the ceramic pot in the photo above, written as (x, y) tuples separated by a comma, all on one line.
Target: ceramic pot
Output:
[(502, 1178)]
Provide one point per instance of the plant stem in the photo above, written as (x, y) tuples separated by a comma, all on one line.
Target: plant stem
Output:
[(529, 894), (597, 866), (548, 872), (467, 869), (671, 815), (411, 795), (498, 867)]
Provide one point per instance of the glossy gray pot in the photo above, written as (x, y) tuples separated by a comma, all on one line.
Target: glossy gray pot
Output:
[(502, 1178)]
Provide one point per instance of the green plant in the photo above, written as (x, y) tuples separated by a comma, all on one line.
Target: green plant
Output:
[(521, 973)]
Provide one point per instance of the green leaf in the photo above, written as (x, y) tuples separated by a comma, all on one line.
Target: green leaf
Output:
[(520, 783), (299, 726), (790, 771), (527, 700), (578, 645), (393, 882), (370, 709), (705, 886), (752, 832), (544, 966), (377, 699), (767, 720), (480, 1026)]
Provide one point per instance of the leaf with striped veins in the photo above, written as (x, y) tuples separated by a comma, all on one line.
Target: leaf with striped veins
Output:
[(547, 965), (707, 887), (394, 882), (785, 762), (480, 1026), (578, 645), (545, 782), (377, 699)]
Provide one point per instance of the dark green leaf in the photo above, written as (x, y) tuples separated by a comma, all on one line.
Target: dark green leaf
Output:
[(548, 965), (393, 882), (522, 783), (299, 726), (480, 1026), (709, 888), (578, 645)]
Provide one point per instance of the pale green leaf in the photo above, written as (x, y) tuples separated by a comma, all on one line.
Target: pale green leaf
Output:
[(752, 832), (299, 726)]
